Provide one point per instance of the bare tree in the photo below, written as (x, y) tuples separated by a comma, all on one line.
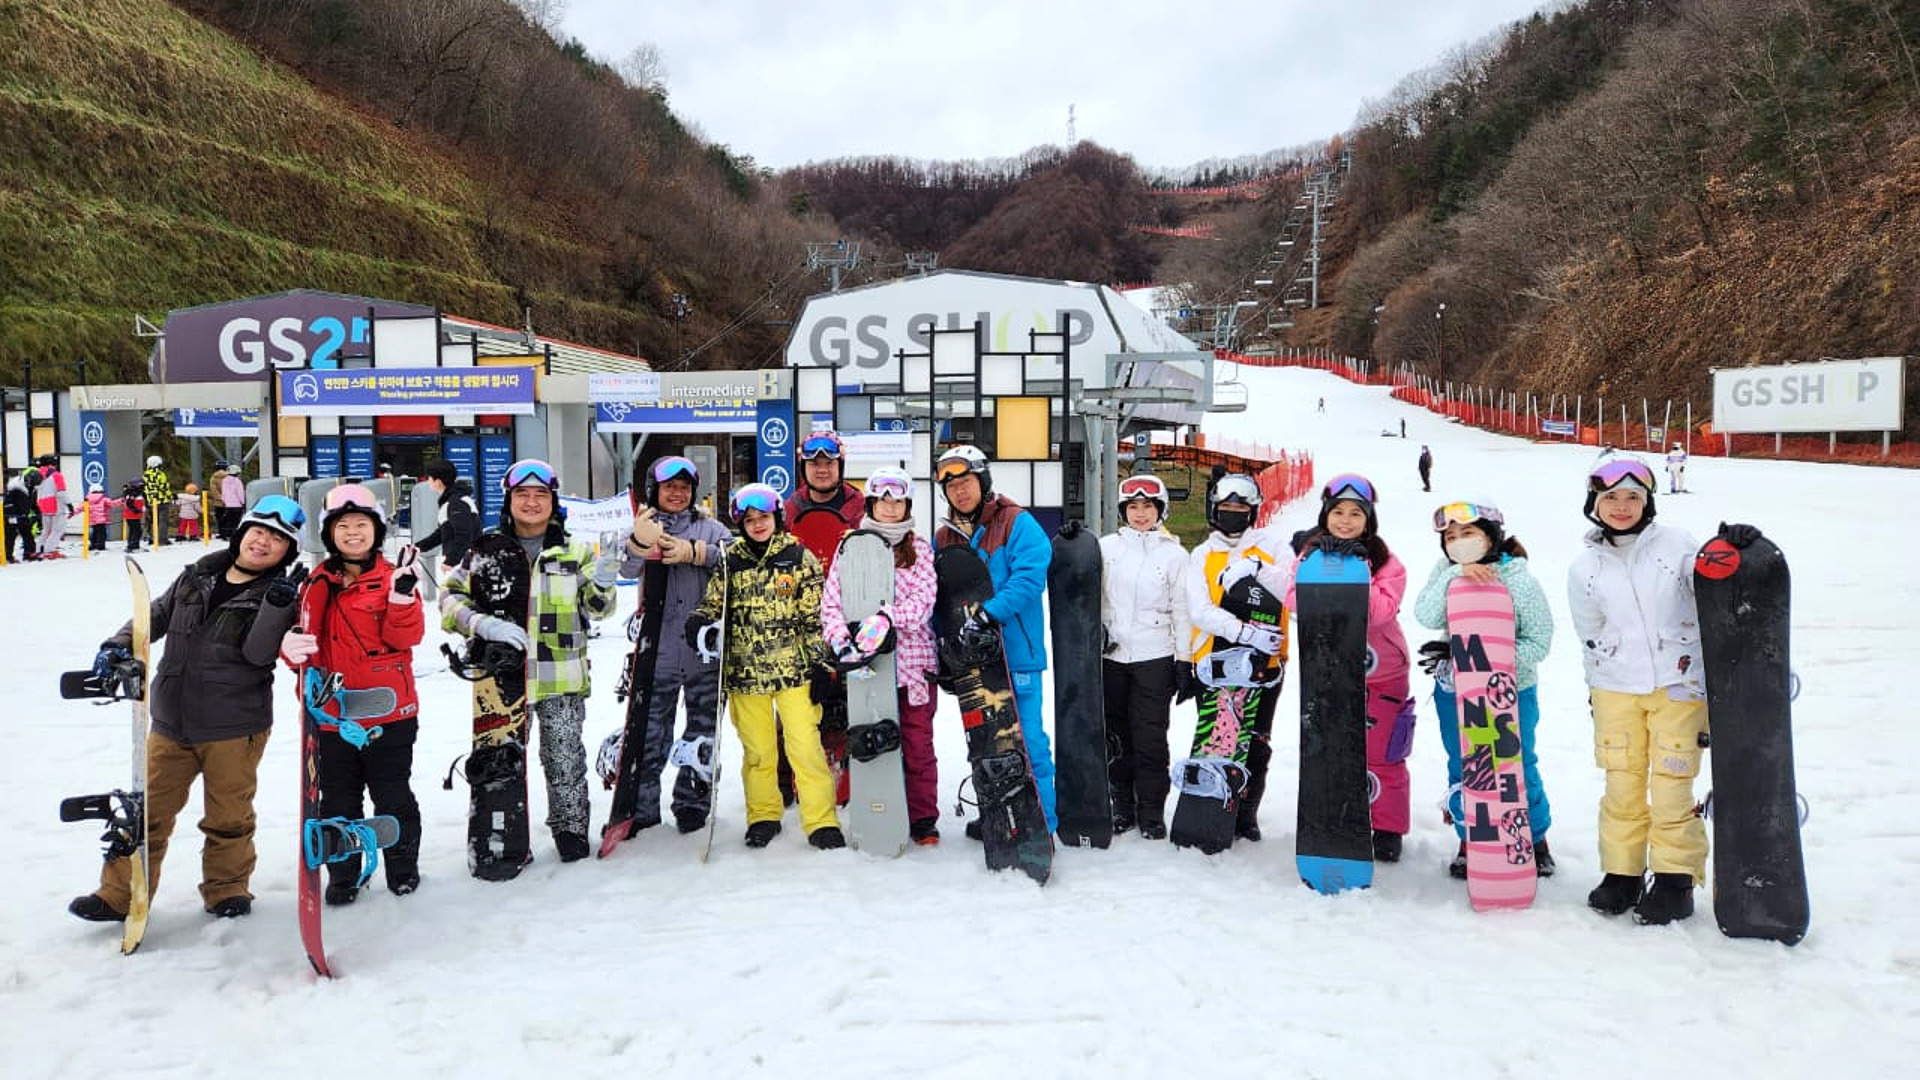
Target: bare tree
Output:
[(645, 68), (545, 14)]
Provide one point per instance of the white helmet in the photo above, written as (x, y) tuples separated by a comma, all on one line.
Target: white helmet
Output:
[(153, 462)]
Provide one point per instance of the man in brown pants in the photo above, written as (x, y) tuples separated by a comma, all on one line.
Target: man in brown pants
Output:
[(212, 707)]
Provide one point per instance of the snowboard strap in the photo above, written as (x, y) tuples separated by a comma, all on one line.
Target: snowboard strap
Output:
[(708, 643), (1209, 778), (868, 741), (360, 837), (694, 753)]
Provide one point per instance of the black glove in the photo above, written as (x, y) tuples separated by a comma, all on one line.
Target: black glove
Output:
[(283, 590), (1739, 535), (1108, 646), (977, 622), (1333, 547), (692, 631), (108, 658), (1185, 686), (405, 584), (1433, 654)]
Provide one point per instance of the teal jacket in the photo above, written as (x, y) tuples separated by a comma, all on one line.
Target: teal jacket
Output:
[(1532, 618)]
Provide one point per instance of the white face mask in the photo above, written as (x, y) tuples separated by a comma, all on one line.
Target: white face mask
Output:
[(1467, 549)]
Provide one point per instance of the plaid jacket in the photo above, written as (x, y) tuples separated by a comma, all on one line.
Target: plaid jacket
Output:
[(563, 599), (914, 589)]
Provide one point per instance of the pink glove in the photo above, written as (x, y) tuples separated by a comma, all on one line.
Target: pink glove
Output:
[(297, 648)]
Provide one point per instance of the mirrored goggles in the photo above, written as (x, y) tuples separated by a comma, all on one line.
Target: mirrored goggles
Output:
[(820, 446), (1142, 487), (756, 497), (889, 487), (951, 469), (1465, 513), (1348, 486), (281, 509), (530, 471), (673, 466), (1611, 474)]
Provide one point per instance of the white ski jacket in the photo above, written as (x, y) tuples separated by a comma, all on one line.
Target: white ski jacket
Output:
[(1143, 595), (1214, 556), (1633, 612)]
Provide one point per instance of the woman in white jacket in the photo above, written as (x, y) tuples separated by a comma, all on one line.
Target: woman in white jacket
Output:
[(1630, 591), (1143, 612)]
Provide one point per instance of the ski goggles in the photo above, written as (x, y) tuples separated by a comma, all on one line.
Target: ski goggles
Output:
[(530, 471), (952, 469), (1238, 488), (280, 509), (821, 446), (675, 467), (889, 487), (1611, 474), (1465, 513), (1348, 486), (1142, 487), (755, 497)]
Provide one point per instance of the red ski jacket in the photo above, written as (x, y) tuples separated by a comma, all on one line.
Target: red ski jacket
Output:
[(366, 640)]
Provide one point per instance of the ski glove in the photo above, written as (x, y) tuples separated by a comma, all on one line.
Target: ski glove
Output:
[(874, 633), (108, 658), (847, 654), (1108, 646), (505, 631), (283, 590), (1185, 686), (297, 648), (977, 622), (646, 531), (1236, 570), (606, 567), (406, 576), (1738, 535), (1333, 547), (1433, 654), (1265, 639), (693, 631)]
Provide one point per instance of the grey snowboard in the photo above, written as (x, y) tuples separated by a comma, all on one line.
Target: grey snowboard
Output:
[(876, 815)]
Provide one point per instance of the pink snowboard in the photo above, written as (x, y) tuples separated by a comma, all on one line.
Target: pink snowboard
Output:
[(1493, 789)]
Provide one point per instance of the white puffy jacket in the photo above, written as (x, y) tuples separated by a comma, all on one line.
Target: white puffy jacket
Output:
[(1633, 612), (1143, 597)]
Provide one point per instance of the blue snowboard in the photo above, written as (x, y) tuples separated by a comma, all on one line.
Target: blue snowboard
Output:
[(1334, 837)]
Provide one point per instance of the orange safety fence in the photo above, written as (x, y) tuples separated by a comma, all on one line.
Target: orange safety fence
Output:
[(1282, 475)]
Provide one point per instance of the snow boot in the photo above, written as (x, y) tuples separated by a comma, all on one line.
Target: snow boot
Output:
[(1458, 867), (1386, 846), (1152, 830), (1542, 859), (974, 831), (690, 821), (93, 909), (924, 832), (827, 838), (571, 845), (232, 907), (761, 833), (1670, 899), (340, 893), (1616, 893), (403, 884)]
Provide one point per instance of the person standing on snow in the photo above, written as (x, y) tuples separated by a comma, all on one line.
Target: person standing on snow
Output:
[(569, 588), (360, 617), (889, 512), (1676, 469), (55, 506), (99, 513), (1017, 553), (1234, 549), (1475, 545), (765, 605), (819, 512), (690, 546), (211, 702), (159, 499), (1630, 592), (133, 513), (458, 522), (22, 514), (1426, 469), (1348, 525), (1143, 617), (233, 500)]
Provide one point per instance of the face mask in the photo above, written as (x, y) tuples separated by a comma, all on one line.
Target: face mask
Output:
[(1233, 522), (1467, 549)]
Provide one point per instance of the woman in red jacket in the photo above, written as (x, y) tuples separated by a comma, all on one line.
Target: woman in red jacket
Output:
[(360, 618)]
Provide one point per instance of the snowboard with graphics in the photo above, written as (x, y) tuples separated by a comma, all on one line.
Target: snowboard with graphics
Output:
[(636, 689), (1759, 875), (1237, 680), (1083, 801), (1493, 783), (499, 583), (876, 814), (1333, 841), (973, 667)]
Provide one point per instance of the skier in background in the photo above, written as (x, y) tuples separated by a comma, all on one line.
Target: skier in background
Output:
[(458, 521), (1476, 546), (99, 514), (1017, 553), (187, 512), (889, 512), (1144, 665), (1630, 593), (1235, 548), (22, 516), (1676, 469), (1348, 525), (691, 545), (233, 500), (360, 617), (211, 702), (821, 509), (55, 506), (570, 587), (767, 611), (159, 499), (1426, 468), (133, 513)]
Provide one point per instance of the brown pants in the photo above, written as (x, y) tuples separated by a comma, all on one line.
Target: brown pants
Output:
[(229, 771)]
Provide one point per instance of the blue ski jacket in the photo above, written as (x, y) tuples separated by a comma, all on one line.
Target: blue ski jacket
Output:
[(1017, 554)]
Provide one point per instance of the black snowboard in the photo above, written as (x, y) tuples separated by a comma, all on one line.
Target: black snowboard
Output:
[(636, 688), (1238, 680), (1333, 839), (1759, 878), (498, 844), (1082, 799), (973, 667)]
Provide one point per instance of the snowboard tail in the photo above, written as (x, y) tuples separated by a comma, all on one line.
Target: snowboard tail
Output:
[(1334, 836), (498, 840)]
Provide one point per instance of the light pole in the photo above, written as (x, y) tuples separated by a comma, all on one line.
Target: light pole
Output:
[(1440, 324), (1373, 336)]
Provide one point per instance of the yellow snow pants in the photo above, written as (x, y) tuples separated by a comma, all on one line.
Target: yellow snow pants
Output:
[(799, 728), (1649, 744)]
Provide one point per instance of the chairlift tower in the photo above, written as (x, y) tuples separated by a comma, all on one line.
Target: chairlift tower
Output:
[(833, 256)]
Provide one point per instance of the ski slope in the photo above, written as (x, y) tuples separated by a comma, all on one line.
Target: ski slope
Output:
[(1138, 961)]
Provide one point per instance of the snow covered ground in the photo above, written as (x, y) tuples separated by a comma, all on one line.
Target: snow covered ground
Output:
[(1137, 961)]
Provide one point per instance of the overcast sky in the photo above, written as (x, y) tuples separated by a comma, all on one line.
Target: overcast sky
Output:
[(1169, 83)]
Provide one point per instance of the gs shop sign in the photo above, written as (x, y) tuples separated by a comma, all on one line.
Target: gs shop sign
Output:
[(245, 339), (1836, 395)]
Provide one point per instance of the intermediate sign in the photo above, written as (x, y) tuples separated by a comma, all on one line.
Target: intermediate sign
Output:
[(407, 391), (687, 403)]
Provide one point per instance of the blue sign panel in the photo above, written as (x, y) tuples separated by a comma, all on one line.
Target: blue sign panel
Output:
[(359, 456), (93, 450), (773, 444), (407, 391), (216, 423), (462, 451), (325, 455), (496, 453)]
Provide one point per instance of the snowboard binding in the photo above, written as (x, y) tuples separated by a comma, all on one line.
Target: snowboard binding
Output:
[(337, 839), (866, 742), (484, 659), (123, 681), (696, 753), (123, 811)]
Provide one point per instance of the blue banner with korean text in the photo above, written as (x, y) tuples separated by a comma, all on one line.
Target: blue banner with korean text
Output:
[(407, 391)]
